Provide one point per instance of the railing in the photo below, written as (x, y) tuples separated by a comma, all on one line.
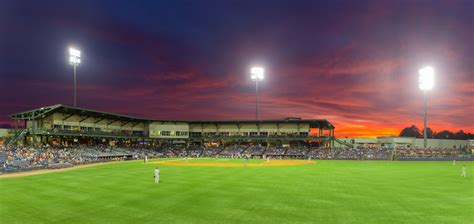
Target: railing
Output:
[(258, 137), (143, 134), (92, 133), (17, 137), (343, 143)]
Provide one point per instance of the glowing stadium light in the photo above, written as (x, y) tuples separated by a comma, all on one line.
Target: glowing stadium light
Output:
[(257, 73), (74, 52), (426, 82), (74, 60), (74, 56), (426, 78)]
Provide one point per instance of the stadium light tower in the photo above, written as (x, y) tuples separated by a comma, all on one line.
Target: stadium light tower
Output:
[(257, 75), (74, 60), (426, 82)]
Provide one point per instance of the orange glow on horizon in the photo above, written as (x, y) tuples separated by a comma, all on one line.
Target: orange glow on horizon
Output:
[(350, 131)]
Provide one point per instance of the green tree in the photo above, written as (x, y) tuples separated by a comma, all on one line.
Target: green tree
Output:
[(411, 131), (445, 134)]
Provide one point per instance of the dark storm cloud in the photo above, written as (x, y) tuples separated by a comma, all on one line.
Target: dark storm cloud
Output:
[(352, 62)]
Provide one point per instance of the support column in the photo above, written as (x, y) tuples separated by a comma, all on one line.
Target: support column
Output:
[(425, 141), (33, 130), (332, 138), (258, 129)]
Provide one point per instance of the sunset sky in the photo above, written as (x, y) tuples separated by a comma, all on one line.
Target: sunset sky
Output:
[(354, 63)]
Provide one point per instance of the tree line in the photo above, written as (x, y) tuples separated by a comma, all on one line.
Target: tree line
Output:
[(414, 131)]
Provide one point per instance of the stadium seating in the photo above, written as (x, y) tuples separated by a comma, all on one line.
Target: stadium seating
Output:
[(18, 158)]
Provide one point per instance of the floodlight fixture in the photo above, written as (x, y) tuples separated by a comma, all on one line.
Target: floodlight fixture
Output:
[(426, 82), (257, 73), (74, 60), (74, 52), (74, 56), (426, 78)]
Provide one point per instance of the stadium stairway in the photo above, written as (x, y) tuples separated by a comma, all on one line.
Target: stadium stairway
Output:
[(219, 152), (17, 137), (344, 143)]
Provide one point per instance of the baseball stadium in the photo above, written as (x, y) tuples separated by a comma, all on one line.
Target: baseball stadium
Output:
[(85, 166), (236, 112)]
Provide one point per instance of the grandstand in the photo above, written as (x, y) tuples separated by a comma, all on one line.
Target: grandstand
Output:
[(64, 125)]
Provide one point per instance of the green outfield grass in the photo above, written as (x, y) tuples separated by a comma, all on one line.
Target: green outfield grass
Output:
[(326, 192)]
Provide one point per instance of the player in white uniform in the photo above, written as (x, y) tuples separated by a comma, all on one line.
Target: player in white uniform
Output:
[(463, 172), (157, 175), (146, 159)]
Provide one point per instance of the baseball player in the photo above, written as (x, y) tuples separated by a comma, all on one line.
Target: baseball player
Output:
[(157, 175)]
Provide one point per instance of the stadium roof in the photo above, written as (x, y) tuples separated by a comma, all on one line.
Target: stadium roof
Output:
[(311, 122), (44, 111)]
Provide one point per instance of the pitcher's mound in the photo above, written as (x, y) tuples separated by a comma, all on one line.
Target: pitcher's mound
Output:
[(271, 163)]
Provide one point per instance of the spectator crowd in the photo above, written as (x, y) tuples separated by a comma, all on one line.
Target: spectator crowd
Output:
[(20, 158)]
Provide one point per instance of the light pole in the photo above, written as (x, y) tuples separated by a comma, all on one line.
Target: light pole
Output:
[(426, 82), (257, 75), (74, 60)]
